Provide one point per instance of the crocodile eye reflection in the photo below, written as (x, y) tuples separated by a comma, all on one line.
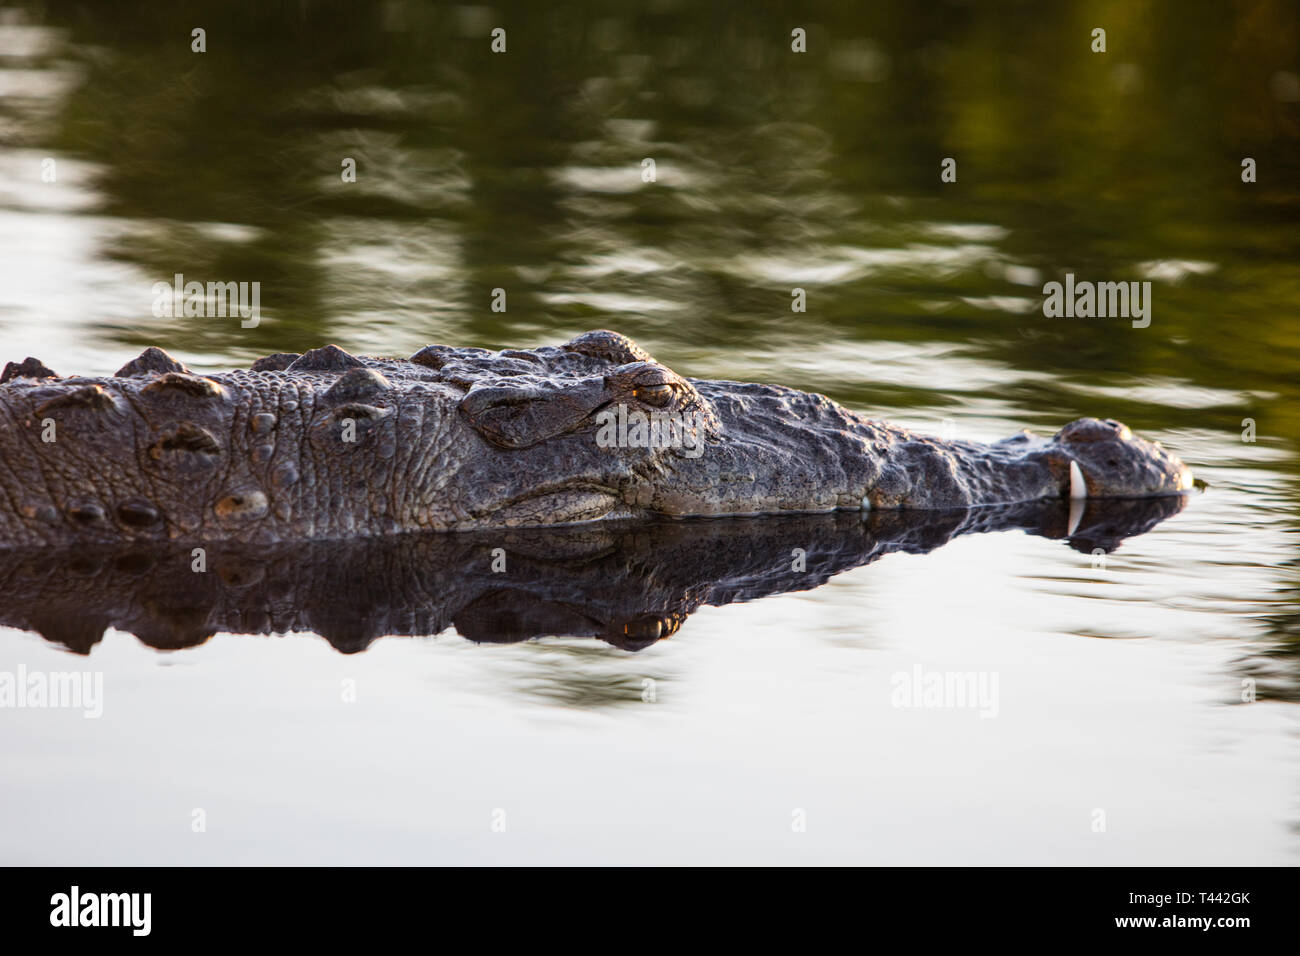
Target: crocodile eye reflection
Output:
[(657, 395)]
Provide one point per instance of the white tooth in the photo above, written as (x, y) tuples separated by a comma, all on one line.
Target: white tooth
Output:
[(1077, 507), (1078, 488)]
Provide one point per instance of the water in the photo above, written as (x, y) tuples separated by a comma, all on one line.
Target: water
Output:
[(761, 730)]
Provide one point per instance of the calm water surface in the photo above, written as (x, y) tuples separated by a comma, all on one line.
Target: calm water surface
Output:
[(1120, 686)]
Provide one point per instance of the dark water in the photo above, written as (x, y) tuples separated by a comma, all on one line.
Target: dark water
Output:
[(1121, 682)]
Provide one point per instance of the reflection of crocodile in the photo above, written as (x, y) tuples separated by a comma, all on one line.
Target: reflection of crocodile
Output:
[(628, 584), (327, 445)]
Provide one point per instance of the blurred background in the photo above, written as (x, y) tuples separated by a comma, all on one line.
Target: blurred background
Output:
[(775, 170)]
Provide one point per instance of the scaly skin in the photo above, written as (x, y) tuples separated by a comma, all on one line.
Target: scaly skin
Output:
[(328, 445)]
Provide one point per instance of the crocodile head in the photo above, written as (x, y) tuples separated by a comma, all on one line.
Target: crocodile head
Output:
[(598, 428)]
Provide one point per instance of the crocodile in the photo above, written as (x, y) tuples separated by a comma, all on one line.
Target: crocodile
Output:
[(327, 445), (629, 584)]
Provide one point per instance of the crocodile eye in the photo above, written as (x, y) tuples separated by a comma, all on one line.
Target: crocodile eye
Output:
[(657, 395)]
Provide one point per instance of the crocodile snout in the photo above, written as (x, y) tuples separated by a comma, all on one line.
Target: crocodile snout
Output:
[(1106, 460)]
